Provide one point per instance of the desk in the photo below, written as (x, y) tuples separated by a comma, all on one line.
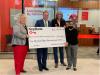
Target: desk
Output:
[(89, 39)]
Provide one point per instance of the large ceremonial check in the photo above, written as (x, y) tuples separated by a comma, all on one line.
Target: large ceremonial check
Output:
[(43, 37)]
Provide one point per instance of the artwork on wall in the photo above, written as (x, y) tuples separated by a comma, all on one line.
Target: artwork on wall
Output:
[(85, 15)]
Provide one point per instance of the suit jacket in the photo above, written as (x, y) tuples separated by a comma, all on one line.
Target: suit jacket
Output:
[(55, 23), (40, 23), (18, 32)]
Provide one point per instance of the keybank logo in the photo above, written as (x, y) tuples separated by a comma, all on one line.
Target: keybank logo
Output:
[(36, 28)]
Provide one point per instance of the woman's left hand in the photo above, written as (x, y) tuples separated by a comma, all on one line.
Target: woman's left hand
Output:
[(66, 43)]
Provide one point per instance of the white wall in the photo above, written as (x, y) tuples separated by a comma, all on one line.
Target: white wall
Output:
[(93, 18)]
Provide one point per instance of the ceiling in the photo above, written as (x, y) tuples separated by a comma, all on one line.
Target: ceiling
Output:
[(91, 4)]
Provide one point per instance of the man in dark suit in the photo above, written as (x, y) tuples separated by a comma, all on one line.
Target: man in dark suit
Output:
[(42, 52), (58, 22)]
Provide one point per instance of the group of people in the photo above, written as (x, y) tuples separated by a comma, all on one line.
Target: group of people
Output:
[(20, 43)]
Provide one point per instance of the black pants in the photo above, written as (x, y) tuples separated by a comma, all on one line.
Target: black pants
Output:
[(42, 57), (55, 51), (98, 51)]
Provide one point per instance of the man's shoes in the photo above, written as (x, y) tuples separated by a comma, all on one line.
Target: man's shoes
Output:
[(41, 69), (75, 69), (63, 64), (23, 71), (45, 68), (56, 65), (68, 68)]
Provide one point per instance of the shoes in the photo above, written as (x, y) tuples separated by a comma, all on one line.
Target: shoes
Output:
[(68, 68), (45, 68), (56, 65), (41, 69), (63, 64), (97, 53), (23, 71), (75, 69)]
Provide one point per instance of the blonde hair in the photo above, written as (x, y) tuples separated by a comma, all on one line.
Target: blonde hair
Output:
[(59, 13), (18, 17)]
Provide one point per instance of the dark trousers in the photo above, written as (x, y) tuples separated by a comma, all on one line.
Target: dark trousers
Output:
[(72, 55), (19, 57), (42, 57), (55, 51), (98, 51)]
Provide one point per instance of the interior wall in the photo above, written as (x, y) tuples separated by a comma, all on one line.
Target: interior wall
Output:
[(0, 33), (5, 23), (93, 18), (5, 26)]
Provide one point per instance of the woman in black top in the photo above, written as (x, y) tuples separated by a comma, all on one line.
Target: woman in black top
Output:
[(58, 22)]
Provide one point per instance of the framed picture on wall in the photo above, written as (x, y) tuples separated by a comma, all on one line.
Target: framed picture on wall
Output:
[(85, 15)]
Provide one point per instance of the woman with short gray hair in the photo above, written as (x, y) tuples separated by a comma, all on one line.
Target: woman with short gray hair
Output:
[(20, 43)]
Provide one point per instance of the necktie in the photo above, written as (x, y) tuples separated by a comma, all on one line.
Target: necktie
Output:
[(46, 25)]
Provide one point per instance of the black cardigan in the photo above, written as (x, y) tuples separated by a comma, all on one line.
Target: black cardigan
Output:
[(55, 23)]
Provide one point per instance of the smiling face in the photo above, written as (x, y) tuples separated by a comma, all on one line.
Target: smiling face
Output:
[(59, 15), (22, 19), (70, 25), (45, 15)]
